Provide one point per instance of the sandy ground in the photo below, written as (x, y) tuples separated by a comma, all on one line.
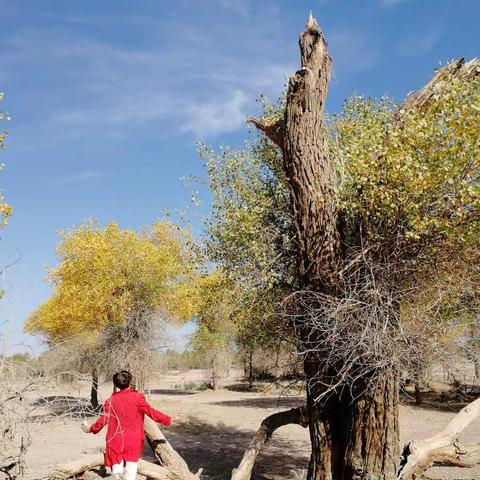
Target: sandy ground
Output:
[(212, 429)]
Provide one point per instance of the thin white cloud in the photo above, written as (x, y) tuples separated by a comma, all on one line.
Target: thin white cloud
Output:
[(418, 44), (81, 177), (186, 84), (213, 117), (391, 3), (240, 7), (352, 50)]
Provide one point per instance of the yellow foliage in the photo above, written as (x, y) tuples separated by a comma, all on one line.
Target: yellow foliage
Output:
[(105, 274)]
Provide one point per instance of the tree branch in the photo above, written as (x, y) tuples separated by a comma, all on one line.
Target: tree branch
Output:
[(165, 453), (78, 467), (269, 425), (273, 131), (440, 82)]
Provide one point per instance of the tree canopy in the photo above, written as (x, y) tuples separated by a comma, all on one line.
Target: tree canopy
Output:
[(407, 196), (107, 274)]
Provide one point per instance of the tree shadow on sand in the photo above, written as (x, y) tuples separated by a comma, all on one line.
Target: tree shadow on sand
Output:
[(243, 388), (435, 401), (169, 391), (263, 402), (47, 407), (219, 448)]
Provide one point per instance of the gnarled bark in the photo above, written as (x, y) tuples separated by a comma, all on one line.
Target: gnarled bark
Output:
[(347, 432), (420, 99), (311, 177)]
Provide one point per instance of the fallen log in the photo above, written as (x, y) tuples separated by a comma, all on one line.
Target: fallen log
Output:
[(269, 425), (89, 462), (66, 470), (165, 453), (150, 470), (443, 448)]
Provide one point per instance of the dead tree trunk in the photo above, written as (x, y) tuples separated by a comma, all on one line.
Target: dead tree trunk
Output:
[(353, 437), (215, 371), (250, 368), (418, 456)]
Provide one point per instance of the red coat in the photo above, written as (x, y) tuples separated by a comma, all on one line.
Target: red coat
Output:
[(124, 412)]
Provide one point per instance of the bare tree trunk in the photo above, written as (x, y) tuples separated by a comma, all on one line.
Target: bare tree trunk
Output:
[(348, 433), (477, 368), (355, 435), (418, 381), (215, 372), (311, 181), (373, 431), (250, 368), (475, 342), (418, 394), (94, 390)]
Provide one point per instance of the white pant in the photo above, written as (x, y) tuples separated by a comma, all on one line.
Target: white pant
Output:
[(130, 470)]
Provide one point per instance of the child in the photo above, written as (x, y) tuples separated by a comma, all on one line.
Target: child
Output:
[(124, 413)]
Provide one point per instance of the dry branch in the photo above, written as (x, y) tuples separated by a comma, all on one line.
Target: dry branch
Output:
[(273, 131), (440, 82), (268, 426), (443, 448), (173, 465), (150, 470)]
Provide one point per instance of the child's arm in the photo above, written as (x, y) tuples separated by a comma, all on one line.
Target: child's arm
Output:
[(102, 420), (155, 415)]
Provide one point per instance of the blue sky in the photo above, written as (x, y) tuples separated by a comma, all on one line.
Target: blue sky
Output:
[(108, 99)]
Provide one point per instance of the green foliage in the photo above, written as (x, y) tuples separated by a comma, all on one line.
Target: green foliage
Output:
[(186, 360), (249, 232), (408, 191), (249, 236)]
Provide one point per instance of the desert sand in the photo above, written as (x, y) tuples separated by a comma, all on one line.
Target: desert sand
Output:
[(212, 429)]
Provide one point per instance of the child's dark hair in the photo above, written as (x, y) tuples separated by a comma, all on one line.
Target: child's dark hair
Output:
[(122, 379)]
